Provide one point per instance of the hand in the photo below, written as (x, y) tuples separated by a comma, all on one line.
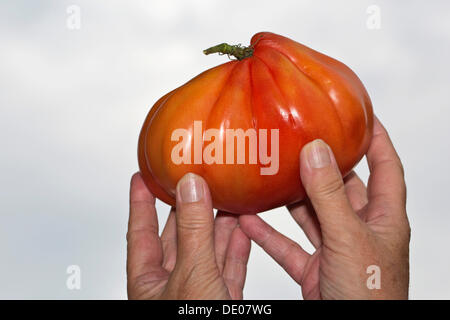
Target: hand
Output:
[(351, 228), (196, 257)]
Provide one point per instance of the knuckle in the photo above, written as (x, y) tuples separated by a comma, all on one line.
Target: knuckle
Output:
[(290, 251), (226, 221), (194, 217), (191, 225), (135, 234), (399, 164), (393, 162), (267, 237), (407, 231), (329, 187), (302, 218)]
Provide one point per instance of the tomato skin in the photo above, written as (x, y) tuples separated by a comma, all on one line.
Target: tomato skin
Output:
[(285, 86)]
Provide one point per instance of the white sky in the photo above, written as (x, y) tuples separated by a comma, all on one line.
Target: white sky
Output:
[(73, 101)]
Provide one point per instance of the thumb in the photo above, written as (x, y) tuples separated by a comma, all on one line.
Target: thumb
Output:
[(195, 221), (324, 186)]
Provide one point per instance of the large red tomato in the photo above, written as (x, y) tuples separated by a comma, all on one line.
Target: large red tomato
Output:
[(276, 83)]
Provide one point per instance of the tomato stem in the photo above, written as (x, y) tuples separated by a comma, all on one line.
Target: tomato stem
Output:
[(237, 51)]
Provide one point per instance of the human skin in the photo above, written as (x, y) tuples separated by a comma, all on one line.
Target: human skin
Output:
[(196, 256), (351, 227)]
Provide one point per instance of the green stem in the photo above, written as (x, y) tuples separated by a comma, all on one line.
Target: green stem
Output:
[(236, 51)]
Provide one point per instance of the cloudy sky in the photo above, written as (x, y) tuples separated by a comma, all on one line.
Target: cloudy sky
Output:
[(73, 100)]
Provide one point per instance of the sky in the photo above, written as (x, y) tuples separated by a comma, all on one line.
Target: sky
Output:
[(73, 101)]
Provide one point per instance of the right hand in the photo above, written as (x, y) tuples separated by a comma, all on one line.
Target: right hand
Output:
[(350, 226)]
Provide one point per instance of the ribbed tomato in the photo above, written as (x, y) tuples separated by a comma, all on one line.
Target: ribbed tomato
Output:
[(276, 83)]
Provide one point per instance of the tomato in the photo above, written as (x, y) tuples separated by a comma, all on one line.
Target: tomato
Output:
[(275, 85)]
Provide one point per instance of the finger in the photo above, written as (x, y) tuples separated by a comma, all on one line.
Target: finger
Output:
[(287, 253), (303, 213), (195, 222), (235, 269), (224, 225), (355, 190), (169, 241), (144, 252), (325, 188), (386, 183)]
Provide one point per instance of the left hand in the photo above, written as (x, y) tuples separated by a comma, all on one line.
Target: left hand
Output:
[(196, 256)]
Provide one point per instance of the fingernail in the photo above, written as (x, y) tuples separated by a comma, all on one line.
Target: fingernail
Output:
[(190, 188), (318, 154)]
